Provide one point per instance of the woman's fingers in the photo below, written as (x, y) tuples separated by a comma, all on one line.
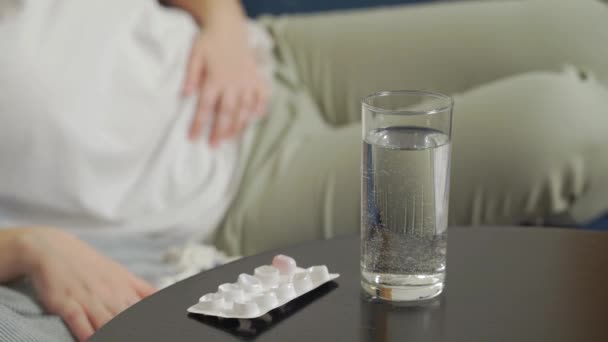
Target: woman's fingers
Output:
[(245, 112), (194, 69), (230, 108), (261, 100), (207, 102), (235, 110), (98, 313), (76, 319), (121, 300), (226, 113), (243, 117), (142, 287), (116, 306), (131, 300), (231, 104)]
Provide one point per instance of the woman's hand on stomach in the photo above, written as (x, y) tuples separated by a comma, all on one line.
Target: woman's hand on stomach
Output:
[(222, 69), (83, 287)]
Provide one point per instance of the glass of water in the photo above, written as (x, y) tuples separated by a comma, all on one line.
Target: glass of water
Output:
[(405, 185)]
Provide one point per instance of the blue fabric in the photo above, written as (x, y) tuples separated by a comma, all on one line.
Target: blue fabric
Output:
[(257, 7), (600, 224)]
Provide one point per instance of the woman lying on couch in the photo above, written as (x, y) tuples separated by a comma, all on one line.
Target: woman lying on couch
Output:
[(125, 129)]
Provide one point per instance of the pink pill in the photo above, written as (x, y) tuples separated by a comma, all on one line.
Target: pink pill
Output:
[(285, 264)]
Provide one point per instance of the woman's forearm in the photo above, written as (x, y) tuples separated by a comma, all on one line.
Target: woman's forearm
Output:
[(13, 254), (211, 12)]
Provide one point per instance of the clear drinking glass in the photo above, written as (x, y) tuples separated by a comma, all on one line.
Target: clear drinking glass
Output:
[(405, 183)]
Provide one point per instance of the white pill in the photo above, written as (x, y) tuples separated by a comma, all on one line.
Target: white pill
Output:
[(269, 275), (285, 292), (319, 274), (210, 297), (211, 301), (286, 265), (250, 284), (242, 308), (231, 292), (302, 282), (266, 301)]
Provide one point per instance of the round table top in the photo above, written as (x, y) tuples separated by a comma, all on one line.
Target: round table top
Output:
[(503, 284)]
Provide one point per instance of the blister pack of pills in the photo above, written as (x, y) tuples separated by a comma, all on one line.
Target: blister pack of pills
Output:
[(270, 287)]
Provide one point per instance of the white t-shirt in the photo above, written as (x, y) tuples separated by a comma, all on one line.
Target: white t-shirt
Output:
[(93, 128)]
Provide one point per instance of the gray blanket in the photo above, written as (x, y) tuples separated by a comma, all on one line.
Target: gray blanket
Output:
[(22, 319)]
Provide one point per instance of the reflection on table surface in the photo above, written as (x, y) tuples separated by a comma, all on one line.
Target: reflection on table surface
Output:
[(248, 329), (416, 321)]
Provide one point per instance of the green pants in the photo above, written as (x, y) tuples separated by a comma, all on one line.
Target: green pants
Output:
[(530, 131)]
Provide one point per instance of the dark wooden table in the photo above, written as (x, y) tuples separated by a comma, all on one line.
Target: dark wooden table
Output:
[(503, 284)]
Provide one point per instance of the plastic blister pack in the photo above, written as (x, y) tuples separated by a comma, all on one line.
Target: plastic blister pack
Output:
[(270, 287)]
